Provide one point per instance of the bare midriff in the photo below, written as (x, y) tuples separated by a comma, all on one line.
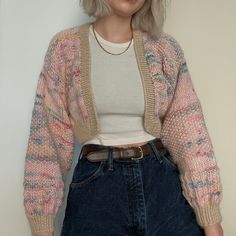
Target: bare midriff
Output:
[(130, 145)]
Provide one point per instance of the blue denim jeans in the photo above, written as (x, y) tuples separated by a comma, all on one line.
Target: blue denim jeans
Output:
[(128, 198)]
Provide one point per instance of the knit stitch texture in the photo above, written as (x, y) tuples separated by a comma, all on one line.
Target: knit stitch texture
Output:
[(62, 112)]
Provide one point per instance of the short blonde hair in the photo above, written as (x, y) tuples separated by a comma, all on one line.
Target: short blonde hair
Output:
[(150, 18)]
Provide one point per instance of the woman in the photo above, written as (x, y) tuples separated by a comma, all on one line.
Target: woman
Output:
[(121, 86)]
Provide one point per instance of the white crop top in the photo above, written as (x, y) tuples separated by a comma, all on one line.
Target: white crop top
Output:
[(120, 103)]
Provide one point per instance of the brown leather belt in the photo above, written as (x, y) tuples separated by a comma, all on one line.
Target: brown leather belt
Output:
[(96, 152)]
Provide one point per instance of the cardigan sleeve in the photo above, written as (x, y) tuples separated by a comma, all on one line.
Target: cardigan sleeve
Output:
[(185, 135), (50, 143)]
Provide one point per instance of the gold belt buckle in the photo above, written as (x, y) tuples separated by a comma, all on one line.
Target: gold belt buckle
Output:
[(140, 157)]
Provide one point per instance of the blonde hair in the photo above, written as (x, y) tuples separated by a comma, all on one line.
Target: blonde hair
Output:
[(150, 18)]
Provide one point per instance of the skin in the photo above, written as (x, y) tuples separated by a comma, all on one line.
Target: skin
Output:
[(116, 28)]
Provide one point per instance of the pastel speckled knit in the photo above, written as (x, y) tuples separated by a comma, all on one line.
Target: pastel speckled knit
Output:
[(64, 109)]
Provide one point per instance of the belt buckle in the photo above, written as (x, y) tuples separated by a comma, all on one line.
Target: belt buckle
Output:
[(140, 157)]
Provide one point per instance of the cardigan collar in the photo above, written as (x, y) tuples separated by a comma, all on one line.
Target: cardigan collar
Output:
[(152, 122)]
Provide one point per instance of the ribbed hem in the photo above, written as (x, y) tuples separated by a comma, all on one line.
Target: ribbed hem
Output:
[(208, 215), (41, 224)]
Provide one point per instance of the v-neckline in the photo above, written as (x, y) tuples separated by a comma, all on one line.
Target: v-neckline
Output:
[(151, 121)]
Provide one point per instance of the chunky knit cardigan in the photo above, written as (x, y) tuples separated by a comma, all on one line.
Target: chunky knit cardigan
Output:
[(64, 109)]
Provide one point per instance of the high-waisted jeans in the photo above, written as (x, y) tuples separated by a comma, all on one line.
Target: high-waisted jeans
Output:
[(128, 198)]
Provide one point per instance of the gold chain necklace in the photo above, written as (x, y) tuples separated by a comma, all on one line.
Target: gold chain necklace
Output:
[(105, 49)]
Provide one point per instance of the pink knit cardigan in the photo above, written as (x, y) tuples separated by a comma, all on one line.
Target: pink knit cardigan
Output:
[(64, 108)]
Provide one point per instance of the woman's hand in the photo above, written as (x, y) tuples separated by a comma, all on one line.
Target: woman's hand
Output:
[(213, 230)]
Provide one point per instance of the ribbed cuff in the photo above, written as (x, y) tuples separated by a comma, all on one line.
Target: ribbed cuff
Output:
[(208, 215), (41, 224)]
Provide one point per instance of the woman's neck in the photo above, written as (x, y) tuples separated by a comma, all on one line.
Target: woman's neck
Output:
[(114, 28)]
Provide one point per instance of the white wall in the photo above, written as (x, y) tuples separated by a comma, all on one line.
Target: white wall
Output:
[(205, 29)]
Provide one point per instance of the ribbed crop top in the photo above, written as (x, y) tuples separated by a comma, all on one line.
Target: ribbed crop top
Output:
[(120, 103)]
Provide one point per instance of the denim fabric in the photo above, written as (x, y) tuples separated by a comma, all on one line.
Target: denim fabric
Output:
[(128, 198)]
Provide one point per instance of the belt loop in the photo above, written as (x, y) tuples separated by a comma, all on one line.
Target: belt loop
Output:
[(110, 159), (81, 152), (156, 152)]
